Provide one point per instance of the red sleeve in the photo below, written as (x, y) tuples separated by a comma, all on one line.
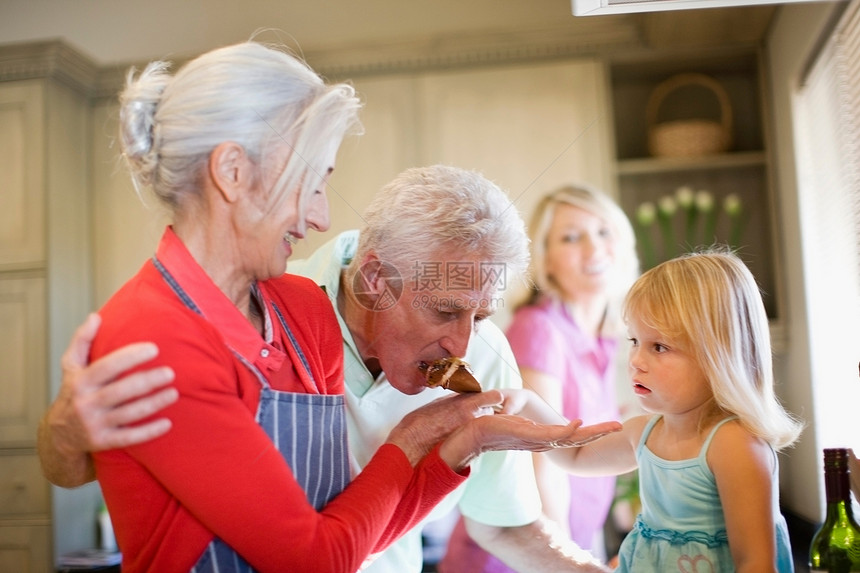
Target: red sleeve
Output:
[(431, 481), (216, 470)]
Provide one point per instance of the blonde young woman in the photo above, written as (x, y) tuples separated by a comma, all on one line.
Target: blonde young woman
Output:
[(565, 339)]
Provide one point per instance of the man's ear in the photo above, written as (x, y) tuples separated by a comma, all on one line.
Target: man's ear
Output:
[(370, 275), (377, 285), (229, 169)]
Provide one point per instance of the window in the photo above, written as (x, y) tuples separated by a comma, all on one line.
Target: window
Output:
[(828, 152)]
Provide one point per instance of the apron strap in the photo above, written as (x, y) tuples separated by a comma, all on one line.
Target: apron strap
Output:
[(174, 285), (189, 302), (296, 347)]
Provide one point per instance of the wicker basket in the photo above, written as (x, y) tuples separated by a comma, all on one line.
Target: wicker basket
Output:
[(689, 137)]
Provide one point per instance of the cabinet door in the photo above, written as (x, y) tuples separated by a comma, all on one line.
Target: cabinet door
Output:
[(23, 360), (25, 548), (528, 128), (24, 492), (22, 227)]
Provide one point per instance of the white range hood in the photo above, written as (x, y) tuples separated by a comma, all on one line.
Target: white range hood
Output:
[(598, 7)]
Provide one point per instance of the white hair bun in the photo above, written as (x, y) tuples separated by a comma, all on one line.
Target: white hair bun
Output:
[(138, 130)]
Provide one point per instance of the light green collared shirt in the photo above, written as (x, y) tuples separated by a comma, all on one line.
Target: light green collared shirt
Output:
[(501, 489)]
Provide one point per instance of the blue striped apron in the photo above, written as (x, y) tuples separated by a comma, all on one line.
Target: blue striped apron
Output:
[(309, 430)]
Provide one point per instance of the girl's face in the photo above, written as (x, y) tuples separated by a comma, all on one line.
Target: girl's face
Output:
[(666, 379), (580, 252)]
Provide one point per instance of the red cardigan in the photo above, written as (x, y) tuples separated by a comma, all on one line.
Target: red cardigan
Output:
[(216, 472)]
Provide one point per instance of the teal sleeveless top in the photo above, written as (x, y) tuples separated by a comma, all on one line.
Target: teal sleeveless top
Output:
[(682, 527)]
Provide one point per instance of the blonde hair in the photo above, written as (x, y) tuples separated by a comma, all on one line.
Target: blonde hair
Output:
[(709, 303), (601, 205)]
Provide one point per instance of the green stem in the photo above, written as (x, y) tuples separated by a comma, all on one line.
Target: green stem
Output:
[(670, 246), (646, 246), (709, 234), (736, 231), (692, 220)]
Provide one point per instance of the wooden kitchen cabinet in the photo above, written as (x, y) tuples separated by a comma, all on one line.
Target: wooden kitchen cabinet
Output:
[(25, 548), (743, 169), (22, 224), (23, 361), (24, 493), (44, 274)]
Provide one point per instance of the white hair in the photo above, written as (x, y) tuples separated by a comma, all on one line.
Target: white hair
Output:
[(257, 96), (430, 210)]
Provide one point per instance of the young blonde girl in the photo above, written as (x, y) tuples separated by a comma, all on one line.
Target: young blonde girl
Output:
[(700, 363)]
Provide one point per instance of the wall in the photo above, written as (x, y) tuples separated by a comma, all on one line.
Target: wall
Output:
[(793, 38), (126, 227), (70, 276)]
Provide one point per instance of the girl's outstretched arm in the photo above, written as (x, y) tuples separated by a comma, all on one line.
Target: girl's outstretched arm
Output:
[(612, 454), (743, 468)]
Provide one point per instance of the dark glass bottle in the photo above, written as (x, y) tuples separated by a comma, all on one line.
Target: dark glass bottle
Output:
[(836, 545)]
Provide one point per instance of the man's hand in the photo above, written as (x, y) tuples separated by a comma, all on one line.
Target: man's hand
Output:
[(96, 406), (537, 546)]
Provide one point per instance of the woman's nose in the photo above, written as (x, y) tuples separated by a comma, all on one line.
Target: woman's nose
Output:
[(317, 216), (592, 244)]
